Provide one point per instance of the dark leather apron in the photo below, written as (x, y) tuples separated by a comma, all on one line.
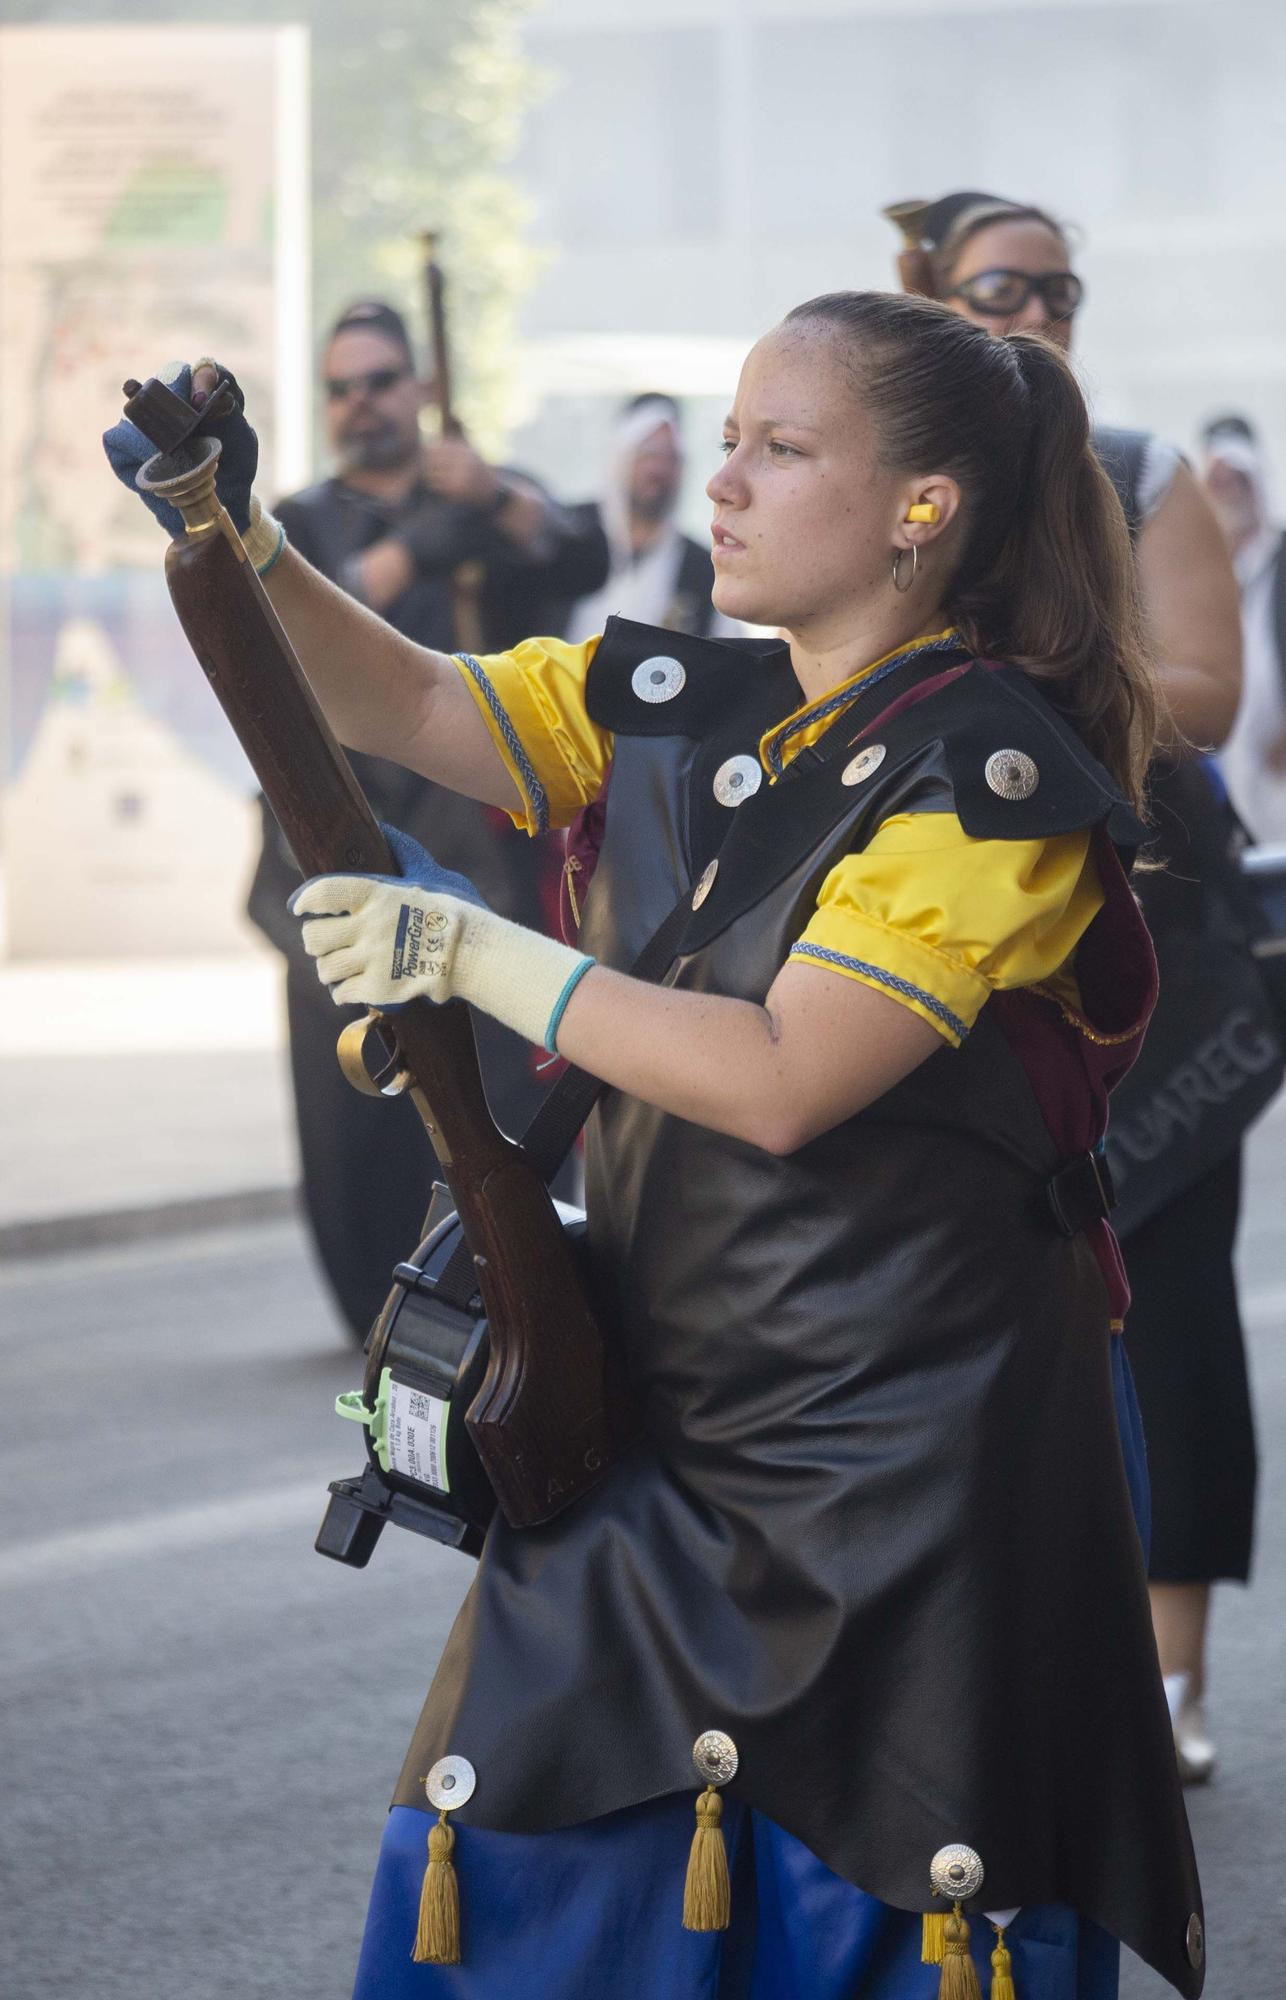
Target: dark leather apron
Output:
[(878, 1530)]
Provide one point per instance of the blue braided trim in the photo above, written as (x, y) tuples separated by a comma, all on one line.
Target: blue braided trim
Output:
[(883, 978), (949, 643), (535, 791)]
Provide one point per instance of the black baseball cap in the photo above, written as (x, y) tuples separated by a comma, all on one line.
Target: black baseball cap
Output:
[(374, 316)]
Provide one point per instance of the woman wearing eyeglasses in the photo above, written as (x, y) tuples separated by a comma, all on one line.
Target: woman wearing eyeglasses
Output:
[(1008, 267)]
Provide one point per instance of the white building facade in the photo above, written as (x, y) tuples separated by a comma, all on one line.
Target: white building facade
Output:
[(699, 166)]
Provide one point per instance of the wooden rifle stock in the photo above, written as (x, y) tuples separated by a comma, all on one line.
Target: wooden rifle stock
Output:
[(435, 300), (466, 577), (550, 1415)]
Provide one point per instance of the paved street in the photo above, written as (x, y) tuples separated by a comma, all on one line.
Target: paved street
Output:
[(200, 1720), (144, 1095)]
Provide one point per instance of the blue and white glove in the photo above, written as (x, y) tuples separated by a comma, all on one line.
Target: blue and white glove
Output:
[(127, 450), (381, 940)]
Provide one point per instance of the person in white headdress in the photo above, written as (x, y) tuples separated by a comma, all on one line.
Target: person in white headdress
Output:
[(1253, 760), (659, 575)]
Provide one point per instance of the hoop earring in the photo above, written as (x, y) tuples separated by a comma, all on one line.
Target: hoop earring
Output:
[(903, 588)]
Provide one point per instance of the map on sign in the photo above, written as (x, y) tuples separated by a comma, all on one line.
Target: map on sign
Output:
[(144, 175), (136, 227)]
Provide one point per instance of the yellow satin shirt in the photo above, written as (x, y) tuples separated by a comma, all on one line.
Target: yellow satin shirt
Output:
[(924, 914)]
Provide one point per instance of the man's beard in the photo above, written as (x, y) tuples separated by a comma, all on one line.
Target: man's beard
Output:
[(654, 507), (383, 450)]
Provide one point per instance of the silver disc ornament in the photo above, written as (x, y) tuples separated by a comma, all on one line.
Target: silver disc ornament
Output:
[(738, 779), (866, 763), (715, 1755), (705, 885), (1011, 774), (451, 1783), (1196, 1942), (659, 678), (956, 1873)]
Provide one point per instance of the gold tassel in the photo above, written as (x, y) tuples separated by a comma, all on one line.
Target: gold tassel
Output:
[(959, 1973), (437, 1940), (573, 867), (1002, 1970), (933, 1936), (707, 1894)]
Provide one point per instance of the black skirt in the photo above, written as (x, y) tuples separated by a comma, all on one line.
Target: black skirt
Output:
[(1189, 1359)]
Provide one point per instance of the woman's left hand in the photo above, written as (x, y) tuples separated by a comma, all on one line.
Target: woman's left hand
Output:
[(379, 942), (383, 940)]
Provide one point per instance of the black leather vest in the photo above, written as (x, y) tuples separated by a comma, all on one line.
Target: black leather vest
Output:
[(878, 1530)]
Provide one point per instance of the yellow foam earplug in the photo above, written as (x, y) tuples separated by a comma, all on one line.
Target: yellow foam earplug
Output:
[(924, 510)]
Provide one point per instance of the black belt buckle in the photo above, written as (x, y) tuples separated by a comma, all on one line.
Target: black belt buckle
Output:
[(1081, 1193)]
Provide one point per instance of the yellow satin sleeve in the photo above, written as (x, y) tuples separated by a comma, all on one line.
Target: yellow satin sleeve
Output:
[(533, 703), (939, 921)]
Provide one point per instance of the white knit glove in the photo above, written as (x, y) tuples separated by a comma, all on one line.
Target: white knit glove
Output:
[(381, 942), (265, 538)]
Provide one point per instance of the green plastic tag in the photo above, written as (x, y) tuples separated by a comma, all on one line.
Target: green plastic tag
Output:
[(408, 1428)]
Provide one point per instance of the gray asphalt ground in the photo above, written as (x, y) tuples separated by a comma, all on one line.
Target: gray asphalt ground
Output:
[(94, 1145), (201, 1720)]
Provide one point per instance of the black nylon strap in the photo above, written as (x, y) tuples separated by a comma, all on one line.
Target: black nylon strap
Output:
[(551, 1134), (549, 1137), (458, 1285)]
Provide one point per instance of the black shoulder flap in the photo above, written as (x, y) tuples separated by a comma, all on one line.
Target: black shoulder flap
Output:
[(646, 681), (1018, 769), (987, 745)]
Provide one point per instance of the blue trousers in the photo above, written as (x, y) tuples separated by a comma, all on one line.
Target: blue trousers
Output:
[(593, 1912)]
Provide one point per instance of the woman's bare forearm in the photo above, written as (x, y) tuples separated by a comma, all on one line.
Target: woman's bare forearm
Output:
[(1199, 706), (819, 1049), (382, 693), (371, 681), (1193, 612)]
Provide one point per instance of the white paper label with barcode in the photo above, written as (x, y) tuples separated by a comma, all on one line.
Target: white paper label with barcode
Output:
[(417, 1435)]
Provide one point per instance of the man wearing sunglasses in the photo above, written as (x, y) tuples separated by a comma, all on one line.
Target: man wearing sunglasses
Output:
[(393, 526)]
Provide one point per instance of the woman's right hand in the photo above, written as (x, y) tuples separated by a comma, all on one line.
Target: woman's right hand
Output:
[(127, 449)]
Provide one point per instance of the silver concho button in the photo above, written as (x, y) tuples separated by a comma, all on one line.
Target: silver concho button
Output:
[(451, 1783), (705, 885), (1011, 774), (715, 1756), (956, 1873), (736, 780), (1196, 1942), (863, 765), (658, 679)]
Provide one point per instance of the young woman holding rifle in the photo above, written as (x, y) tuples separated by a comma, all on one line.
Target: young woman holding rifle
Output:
[(869, 1591)]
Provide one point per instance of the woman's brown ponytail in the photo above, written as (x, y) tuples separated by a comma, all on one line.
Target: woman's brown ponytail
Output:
[(1044, 575), (1059, 598)]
